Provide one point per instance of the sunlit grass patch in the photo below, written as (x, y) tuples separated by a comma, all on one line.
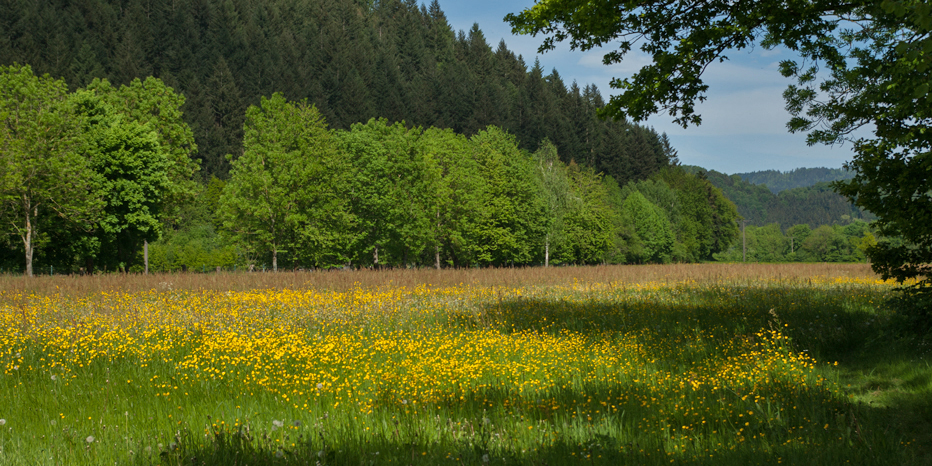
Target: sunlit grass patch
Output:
[(727, 371)]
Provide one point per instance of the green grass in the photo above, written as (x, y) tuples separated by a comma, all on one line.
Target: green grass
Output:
[(873, 407)]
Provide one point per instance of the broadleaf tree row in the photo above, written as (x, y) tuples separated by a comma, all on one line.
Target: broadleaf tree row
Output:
[(383, 194), (119, 174)]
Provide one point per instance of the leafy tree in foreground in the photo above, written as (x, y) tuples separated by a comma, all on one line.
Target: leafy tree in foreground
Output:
[(42, 174), (878, 57), (132, 181), (283, 194), (141, 150)]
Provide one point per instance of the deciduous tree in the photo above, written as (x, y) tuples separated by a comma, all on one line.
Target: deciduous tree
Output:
[(285, 191), (42, 174)]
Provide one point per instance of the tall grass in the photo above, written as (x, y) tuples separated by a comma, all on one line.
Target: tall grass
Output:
[(341, 280), (702, 364)]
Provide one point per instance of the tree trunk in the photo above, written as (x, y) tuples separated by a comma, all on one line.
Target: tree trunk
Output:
[(275, 259), (145, 254), (437, 246), (32, 211), (27, 240), (375, 256), (547, 252)]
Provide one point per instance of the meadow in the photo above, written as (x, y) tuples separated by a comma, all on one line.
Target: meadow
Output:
[(704, 364)]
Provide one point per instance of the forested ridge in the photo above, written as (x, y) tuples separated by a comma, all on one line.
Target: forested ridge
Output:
[(318, 134), (777, 180), (354, 60), (812, 205)]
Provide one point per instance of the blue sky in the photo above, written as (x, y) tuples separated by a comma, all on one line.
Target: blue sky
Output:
[(744, 120)]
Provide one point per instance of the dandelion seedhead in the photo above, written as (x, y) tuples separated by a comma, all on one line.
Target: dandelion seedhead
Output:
[(2, 422), (89, 439)]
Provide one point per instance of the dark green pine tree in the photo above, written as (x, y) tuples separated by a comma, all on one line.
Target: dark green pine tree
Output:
[(537, 108), (485, 92), (28, 39), (388, 82), (181, 45), (199, 116), (454, 90), (259, 73), (440, 36), (558, 127), (227, 111), (58, 44), (85, 67), (129, 60), (579, 116), (415, 62), (439, 41), (347, 66), (10, 28)]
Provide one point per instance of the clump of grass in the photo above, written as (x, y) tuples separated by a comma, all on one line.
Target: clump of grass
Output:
[(718, 370)]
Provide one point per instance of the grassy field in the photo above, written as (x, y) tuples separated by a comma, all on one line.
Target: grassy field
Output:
[(684, 364)]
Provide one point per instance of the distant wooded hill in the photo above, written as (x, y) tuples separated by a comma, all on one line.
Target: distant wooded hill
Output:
[(353, 59), (778, 181), (813, 205)]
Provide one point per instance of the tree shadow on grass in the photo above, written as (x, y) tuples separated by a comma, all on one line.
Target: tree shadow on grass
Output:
[(884, 365), (595, 449)]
